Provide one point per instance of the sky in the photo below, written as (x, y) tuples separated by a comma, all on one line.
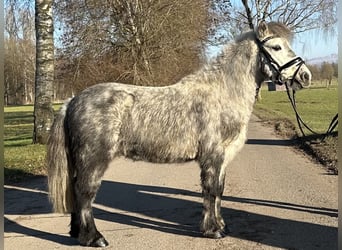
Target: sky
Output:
[(311, 45)]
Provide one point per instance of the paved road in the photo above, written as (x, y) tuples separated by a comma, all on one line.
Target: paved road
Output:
[(275, 198)]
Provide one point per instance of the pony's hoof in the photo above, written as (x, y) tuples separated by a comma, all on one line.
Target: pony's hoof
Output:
[(101, 242), (215, 235)]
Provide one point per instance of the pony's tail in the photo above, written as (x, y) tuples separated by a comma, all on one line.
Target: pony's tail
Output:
[(59, 169)]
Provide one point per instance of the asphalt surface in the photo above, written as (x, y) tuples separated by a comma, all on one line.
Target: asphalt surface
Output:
[(275, 198)]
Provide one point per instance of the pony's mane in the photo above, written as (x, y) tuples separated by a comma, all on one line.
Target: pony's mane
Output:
[(235, 57), (281, 30)]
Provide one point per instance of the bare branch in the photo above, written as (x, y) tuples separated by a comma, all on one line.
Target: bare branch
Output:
[(248, 13)]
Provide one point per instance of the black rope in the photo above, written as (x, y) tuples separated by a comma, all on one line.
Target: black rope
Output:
[(332, 126), (300, 121)]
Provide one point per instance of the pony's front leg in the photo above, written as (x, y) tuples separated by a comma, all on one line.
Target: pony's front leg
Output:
[(212, 177)]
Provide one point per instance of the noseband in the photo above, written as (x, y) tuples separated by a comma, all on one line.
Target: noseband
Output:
[(275, 65)]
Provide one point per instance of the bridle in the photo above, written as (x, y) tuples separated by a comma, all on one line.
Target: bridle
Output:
[(278, 69), (275, 65)]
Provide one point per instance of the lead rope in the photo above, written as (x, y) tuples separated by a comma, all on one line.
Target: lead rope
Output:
[(300, 121)]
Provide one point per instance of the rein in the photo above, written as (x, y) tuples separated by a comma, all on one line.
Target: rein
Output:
[(301, 123), (278, 69)]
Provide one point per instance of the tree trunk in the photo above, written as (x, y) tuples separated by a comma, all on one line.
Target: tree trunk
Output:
[(43, 111)]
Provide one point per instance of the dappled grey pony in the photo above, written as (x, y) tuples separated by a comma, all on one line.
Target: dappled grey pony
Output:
[(203, 117)]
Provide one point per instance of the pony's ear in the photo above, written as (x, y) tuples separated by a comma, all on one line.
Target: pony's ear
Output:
[(262, 30)]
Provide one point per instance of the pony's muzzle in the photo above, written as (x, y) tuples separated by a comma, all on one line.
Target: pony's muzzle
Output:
[(306, 79), (305, 76)]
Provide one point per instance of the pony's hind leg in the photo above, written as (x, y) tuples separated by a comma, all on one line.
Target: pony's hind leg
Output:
[(82, 220), (74, 226), (212, 178), (75, 222)]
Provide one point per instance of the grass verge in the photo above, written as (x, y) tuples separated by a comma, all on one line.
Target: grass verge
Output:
[(22, 158)]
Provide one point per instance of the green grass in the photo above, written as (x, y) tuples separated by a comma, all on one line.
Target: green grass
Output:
[(22, 158), (317, 106)]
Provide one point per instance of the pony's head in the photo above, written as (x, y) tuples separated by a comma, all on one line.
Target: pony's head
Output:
[(278, 61)]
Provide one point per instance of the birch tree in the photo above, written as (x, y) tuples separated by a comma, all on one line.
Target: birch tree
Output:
[(43, 111)]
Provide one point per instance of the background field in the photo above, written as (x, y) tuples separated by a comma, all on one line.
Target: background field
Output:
[(316, 105)]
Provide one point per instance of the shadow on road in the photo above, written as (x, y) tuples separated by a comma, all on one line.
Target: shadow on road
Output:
[(174, 211), (270, 142), (13, 227)]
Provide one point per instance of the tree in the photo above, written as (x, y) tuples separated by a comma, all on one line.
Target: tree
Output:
[(19, 52), (335, 67), (141, 42), (220, 22), (315, 71), (43, 111), (300, 16), (327, 72)]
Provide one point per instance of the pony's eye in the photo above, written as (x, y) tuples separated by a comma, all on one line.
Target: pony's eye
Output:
[(276, 47)]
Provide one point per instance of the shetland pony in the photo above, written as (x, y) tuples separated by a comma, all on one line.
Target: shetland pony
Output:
[(203, 117)]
